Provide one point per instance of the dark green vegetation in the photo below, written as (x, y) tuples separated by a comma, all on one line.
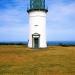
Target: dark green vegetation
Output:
[(20, 60)]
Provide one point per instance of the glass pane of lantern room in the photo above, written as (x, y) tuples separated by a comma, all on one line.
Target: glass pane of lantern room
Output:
[(37, 4), (42, 4)]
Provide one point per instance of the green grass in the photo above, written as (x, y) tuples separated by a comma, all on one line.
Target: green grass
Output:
[(20, 60)]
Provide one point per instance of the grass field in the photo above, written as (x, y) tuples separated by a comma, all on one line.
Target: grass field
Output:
[(20, 60)]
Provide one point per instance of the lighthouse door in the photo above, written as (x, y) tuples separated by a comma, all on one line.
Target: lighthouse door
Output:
[(35, 40)]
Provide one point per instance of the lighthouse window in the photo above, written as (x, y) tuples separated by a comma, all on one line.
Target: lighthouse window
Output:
[(35, 25)]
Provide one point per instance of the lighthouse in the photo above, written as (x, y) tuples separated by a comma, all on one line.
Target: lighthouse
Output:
[(37, 12)]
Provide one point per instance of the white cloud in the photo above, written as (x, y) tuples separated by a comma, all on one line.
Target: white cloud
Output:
[(13, 17), (61, 21), (13, 25), (61, 15), (14, 33)]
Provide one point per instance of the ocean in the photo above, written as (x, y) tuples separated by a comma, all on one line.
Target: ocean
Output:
[(61, 43), (49, 43)]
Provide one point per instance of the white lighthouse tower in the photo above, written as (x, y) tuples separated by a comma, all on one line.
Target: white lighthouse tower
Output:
[(37, 12)]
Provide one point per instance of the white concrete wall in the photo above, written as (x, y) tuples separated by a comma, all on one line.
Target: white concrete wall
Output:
[(37, 18)]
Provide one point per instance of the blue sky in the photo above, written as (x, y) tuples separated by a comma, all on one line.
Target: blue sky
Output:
[(14, 20)]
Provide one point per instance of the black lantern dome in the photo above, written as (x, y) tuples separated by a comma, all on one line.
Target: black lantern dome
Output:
[(37, 5)]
